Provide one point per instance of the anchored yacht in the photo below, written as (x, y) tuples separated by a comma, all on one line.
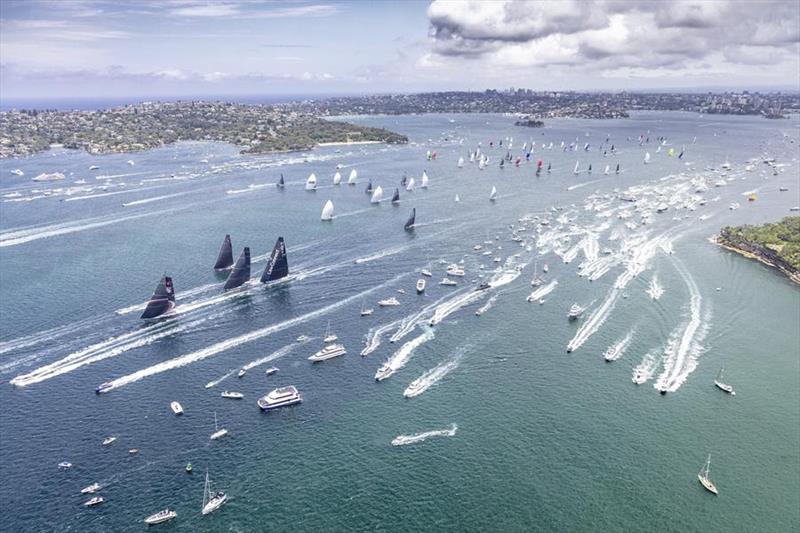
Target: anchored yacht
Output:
[(281, 397), (160, 517), (703, 477), (328, 352), (212, 502)]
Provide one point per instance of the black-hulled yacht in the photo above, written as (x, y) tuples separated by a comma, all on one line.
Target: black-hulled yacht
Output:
[(411, 220), (278, 265), (396, 196), (162, 301), (241, 271), (225, 256)]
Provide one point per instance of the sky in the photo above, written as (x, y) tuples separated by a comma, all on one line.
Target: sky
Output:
[(119, 49)]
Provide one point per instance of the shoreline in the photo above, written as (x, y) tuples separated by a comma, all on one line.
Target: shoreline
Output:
[(793, 276), (345, 143)]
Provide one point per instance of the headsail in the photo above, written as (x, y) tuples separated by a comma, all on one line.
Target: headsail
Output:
[(353, 176), (327, 211), (241, 271), (311, 182), (162, 301), (225, 256), (493, 194), (410, 184), (424, 183), (337, 178), (280, 181), (278, 265), (411, 220), (377, 195), (396, 196)]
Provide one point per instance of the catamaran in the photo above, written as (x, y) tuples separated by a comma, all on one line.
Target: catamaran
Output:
[(162, 301), (218, 432), (327, 211), (703, 477), (353, 177), (176, 407), (160, 517), (311, 182), (330, 336), (722, 385), (328, 352), (225, 256), (212, 502)]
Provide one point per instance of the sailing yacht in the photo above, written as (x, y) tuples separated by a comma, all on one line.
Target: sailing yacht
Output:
[(212, 502), (424, 180), (721, 385), (377, 195), (330, 336), (353, 177), (327, 211), (458, 198), (575, 170), (337, 178), (702, 476), (368, 190), (396, 196), (218, 432), (240, 273), (646, 157), (281, 183), (311, 182), (410, 184), (460, 162), (365, 311), (160, 517), (162, 302), (411, 222), (493, 194), (225, 256)]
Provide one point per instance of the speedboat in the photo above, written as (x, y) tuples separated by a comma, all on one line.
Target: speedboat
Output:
[(91, 489), (271, 370), (281, 397), (413, 388), (97, 500), (455, 270), (133, 451), (611, 354), (303, 338), (64, 465), (483, 286), (383, 372), (328, 352), (420, 286), (160, 517), (212, 502), (389, 302), (241, 373), (233, 395), (575, 312), (448, 282), (721, 385), (176, 408), (105, 387), (109, 440)]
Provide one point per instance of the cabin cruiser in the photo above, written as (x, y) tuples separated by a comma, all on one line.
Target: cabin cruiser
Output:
[(447, 281), (426, 272), (271, 370), (420, 286), (160, 517), (388, 302), (64, 465), (91, 489), (241, 373), (281, 397), (576, 311), (176, 407), (384, 372), (414, 388), (109, 440), (328, 352), (97, 500), (232, 395), (455, 270), (612, 353), (105, 387)]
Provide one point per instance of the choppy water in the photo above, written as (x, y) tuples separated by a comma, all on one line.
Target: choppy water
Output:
[(545, 440)]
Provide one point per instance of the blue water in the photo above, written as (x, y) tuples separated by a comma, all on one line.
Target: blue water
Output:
[(543, 440)]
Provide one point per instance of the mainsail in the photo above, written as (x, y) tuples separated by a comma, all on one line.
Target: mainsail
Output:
[(311, 182), (460, 162), (280, 181), (410, 184), (278, 265), (327, 211), (337, 178), (396, 196), (377, 195), (162, 301), (424, 183), (646, 157), (241, 271), (411, 220), (225, 256), (493, 194), (368, 190), (353, 176)]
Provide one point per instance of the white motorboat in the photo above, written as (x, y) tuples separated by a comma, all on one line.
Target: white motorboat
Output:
[(218, 432), (414, 388), (271, 370), (425, 272), (241, 373), (389, 302), (160, 517), (303, 338), (455, 270), (212, 501), (420, 286), (365, 311), (448, 282), (109, 441), (612, 353), (176, 407), (721, 385), (703, 477), (64, 465), (576, 311), (91, 489), (281, 397), (384, 372), (232, 395), (330, 336), (328, 352), (97, 500), (545, 268)]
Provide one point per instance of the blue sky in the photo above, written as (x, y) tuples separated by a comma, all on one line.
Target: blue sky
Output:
[(100, 48)]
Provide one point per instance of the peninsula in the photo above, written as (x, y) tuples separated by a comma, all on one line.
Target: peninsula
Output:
[(776, 244), (255, 128)]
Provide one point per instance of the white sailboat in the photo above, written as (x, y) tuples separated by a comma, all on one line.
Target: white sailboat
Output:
[(493, 194), (410, 184), (377, 195), (337, 178), (424, 180), (646, 157), (703, 477), (607, 169), (218, 432), (460, 162), (311, 182), (353, 177), (575, 170), (330, 336), (458, 198), (212, 502), (327, 211)]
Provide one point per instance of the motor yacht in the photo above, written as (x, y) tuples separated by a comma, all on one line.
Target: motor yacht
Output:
[(447, 281), (389, 302), (328, 352), (109, 440), (575, 312), (281, 397), (176, 407), (91, 489), (232, 395), (271, 370)]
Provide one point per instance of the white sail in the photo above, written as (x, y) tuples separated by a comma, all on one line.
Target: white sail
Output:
[(482, 164), (424, 183), (607, 169), (311, 182), (353, 176), (377, 194), (327, 211), (337, 178), (460, 162), (410, 184), (646, 157), (575, 170), (458, 198), (493, 194)]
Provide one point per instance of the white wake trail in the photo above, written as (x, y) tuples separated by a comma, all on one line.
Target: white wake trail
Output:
[(399, 359), (277, 354), (403, 440), (646, 368), (595, 320), (449, 307), (373, 337), (155, 199), (429, 378), (542, 291)]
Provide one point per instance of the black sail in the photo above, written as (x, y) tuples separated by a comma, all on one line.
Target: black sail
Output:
[(162, 301), (280, 181), (410, 223), (396, 197), (225, 256), (368, 190), (278, 265), (241, 271)]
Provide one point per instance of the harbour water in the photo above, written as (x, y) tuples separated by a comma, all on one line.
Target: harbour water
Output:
[(511, 432)]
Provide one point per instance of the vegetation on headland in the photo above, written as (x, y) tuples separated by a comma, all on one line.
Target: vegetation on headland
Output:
[(776, 244), (529, 123), (255, 128)]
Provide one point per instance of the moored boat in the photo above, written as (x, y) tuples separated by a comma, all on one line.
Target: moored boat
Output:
[(160, 517), (212, 501), (328, 352), (176, 407), (420, 286), (233, 395), (281, 397)]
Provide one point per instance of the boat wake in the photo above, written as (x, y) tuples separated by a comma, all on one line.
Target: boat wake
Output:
[(454, 304), (617, 350), (410, 322), (403, 355), (432, 376), (595, 320), (155, 199), (542, 291), (646, 368), (373, 337), (655, 290), (403, 440), (277, 354)]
